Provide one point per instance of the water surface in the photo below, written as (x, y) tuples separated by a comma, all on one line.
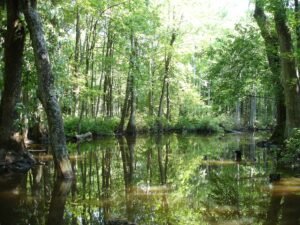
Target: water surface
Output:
[(166, 180)]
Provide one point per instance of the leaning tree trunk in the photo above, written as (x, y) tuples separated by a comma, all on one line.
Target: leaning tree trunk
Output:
[(290, 79), (46, 90), (13, 58), (272, 47)]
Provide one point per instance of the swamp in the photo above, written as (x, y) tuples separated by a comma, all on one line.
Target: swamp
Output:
[(172, 179), (159, 112)]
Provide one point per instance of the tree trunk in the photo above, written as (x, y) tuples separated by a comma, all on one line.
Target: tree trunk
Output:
[(278, 133), (124, 107), (252, 111), (107, 86), (131, 126), (168, 116), (297, 28), (47, 92), (272, 46), (76, 62), (150, 93), (13, 59), (238, 114), (165, 80), (290, 79)]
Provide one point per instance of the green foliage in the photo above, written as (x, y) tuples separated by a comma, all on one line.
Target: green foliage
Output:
[(205, 124), (206, 74), (291, 154), (238, 66), (99, 126)]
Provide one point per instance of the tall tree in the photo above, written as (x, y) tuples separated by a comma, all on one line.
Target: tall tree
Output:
[(290, 78), (297, 32), (46, 90), (165, 83), (108, 70), (272, 50), (133, 70), (76, 59), (13, 59)]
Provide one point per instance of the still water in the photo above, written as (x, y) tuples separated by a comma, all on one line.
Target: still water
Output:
[(167, 180)]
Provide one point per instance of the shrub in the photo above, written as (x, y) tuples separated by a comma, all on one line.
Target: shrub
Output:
[(292, 150), (98, 126), (205, 124)]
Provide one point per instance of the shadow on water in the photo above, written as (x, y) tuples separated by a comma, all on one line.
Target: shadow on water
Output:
[(174, 179)]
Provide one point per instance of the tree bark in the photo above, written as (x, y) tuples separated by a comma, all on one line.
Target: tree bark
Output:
[(46, 90), (131, 126), (290, 79), (13, 60), (297, 28), (272, 47), (124, 107), (76, 61), (107, 86)]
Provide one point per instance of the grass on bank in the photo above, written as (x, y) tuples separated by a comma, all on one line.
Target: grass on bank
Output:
[(146, 124)]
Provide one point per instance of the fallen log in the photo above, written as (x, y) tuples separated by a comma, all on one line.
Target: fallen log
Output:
[(84, 137)]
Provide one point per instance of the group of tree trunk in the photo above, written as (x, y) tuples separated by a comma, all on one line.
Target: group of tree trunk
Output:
[(283, 62), (10, 140)]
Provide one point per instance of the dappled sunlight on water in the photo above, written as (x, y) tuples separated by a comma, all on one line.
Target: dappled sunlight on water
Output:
[(156, 180)]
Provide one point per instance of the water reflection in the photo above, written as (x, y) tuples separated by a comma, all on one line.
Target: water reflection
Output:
[(156, 180), (10, 199), (58, 201)]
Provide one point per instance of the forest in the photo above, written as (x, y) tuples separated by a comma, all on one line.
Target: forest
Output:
[(88, 70)]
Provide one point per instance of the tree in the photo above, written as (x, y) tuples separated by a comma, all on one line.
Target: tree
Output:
[(239, 75), (13, 59), (272, 46), (165, 83), (46, 90), (133, 71), (289, 75)]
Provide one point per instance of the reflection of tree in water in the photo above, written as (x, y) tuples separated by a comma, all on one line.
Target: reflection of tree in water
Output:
[(201, 190), (40, 187), (42, 207), (232, 196), (224, 191), (283, 210), (127, 154), (106, 171), (136, 197), (58, 201), (163, 166), (11, 206)]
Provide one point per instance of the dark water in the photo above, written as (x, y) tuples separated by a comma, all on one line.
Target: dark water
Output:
[(168, 180)]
